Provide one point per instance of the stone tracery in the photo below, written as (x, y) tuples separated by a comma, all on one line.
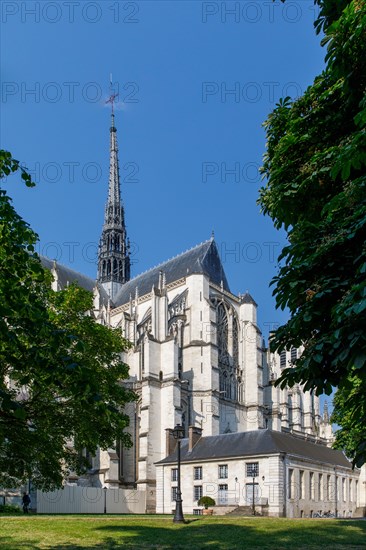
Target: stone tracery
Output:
[(227, 328)]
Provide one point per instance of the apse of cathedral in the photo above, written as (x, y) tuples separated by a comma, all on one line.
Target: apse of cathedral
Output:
[(197, 358)]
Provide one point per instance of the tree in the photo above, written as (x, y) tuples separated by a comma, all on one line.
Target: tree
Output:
[(60, 372), (206, 502), (316, 190), (350, 413)]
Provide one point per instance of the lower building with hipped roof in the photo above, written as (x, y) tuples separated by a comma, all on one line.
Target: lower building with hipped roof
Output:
[(261, 472)]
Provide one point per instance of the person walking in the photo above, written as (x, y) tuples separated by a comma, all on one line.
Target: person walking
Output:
[(26, 502)]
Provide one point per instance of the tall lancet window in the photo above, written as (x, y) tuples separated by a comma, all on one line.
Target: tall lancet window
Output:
[(229, 374), (222, 346), (239, 382)]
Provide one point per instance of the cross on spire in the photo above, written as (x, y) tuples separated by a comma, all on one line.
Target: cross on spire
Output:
[(111, 100), (112, 94)]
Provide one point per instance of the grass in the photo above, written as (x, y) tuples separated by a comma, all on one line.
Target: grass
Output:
[(158, 532)]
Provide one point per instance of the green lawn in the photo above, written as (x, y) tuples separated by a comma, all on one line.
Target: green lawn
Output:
[(158, 532)]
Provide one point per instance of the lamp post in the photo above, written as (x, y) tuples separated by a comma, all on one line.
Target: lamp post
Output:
[(105, 499), (178, 434), (253, 503)]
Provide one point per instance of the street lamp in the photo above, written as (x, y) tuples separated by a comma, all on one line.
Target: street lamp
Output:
[(105, 499), (178, 434), (253, 473), (253, 503)]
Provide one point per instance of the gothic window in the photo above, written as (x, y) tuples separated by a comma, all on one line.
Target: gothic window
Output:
[(234, 387), (290, 415), (228, 364), (222, 346), (223, 382), (142, 360), (240, 390), (235, 342), (222, 330)]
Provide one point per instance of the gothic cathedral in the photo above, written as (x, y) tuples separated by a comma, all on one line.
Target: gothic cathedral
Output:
[(197, 358)]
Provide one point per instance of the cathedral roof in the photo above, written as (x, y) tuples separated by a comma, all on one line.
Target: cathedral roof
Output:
[(66, 276), (254, 443), (203, 259)]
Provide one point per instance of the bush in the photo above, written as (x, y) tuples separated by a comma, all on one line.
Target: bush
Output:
[(206, 502), (9, 509)]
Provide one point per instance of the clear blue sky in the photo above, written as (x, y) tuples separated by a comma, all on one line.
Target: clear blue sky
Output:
[(179, 128)]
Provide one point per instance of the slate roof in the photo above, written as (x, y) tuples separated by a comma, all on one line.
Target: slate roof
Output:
[(248, 299), (258, 442), (66, 276), (203, 258)]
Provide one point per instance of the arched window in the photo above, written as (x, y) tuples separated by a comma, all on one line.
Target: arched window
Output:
[(222, 330), (222, 347), (228, 353), (235, 342), (290, 411), (240, 391)]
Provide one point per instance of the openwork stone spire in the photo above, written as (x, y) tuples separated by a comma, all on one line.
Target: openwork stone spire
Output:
[(114, 253)]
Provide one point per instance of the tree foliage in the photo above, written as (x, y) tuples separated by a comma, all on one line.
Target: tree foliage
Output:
[(350, 413), (60, 371), (316, 190), (206, 501)]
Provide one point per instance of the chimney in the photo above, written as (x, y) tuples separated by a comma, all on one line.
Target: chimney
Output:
[(194, 435), (170, 442)]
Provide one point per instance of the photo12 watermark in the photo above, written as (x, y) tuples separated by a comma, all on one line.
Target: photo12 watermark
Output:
[(68, 92), (230, 172), (253, 11), (30, 12), (248, 251), (73, 171), (248, 92), (75, 252)]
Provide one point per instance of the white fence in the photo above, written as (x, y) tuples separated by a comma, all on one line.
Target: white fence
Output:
[(91, 500)]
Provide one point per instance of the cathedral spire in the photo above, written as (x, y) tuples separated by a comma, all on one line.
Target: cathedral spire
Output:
[(114, 253)]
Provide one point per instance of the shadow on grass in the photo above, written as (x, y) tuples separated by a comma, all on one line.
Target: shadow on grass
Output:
[(206, 535)]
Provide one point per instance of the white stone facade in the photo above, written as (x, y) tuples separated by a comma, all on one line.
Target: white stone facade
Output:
[(198, 358)]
